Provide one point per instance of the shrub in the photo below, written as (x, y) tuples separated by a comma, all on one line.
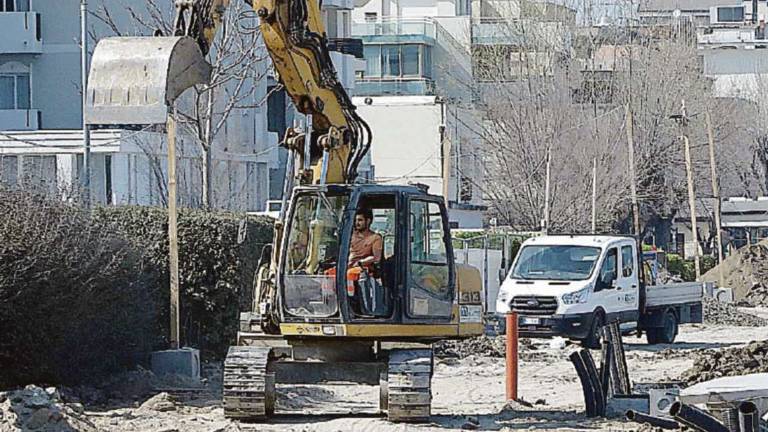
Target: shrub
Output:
[(83, 294)]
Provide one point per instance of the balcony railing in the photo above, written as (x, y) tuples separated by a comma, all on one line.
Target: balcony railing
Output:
[(394, 87), (21, 33), (396, 26), (346, 46)]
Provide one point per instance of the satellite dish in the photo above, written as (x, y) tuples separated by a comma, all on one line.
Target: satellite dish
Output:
[(676, 13)]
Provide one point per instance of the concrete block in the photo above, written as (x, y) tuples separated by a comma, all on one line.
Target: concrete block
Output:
[(184, 362), (617, 406)]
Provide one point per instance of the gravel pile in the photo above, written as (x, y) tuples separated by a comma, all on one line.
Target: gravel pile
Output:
[(485, 346), (746, 272), (494, 347), (711, 364), (718, 313), (37, 409)]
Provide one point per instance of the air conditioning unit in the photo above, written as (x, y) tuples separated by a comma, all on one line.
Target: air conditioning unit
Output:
[(725, 15)]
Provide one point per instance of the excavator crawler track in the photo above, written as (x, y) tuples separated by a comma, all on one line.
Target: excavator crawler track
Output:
[(248, 387), (409, 385)]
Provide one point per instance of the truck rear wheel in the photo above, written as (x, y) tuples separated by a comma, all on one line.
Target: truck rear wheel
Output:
[(592, 341), (666, 333)]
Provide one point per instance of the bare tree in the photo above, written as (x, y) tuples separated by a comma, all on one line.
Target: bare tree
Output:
[(239, 59)]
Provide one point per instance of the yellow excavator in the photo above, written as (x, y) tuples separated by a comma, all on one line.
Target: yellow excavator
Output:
[(317, 317)]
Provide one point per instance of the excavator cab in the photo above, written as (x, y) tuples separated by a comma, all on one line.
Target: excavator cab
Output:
[(412, 281)]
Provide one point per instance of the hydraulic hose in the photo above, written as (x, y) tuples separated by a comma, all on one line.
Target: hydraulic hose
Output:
[(695, 418), (749, 417), (639, 417)]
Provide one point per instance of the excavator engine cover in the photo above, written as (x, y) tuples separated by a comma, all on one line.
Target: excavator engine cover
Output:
[(134, 80)]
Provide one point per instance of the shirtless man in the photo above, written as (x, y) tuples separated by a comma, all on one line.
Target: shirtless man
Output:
[(366, 246)]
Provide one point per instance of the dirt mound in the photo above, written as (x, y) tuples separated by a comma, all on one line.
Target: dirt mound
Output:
[(37, 409), (712, 364), (718, 313), (746, 272)]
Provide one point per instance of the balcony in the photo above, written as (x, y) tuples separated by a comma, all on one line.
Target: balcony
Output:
[(394, 87), (396, 30), (349, 46), (490, 31), (744, 37), (19, 120), (21, 33)]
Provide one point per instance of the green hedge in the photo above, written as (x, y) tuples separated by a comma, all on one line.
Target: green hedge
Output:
[(86, 293), (686, 269), (216, 272)]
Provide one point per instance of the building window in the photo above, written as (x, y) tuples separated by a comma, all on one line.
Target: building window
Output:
[(14, 91), (395, 61), (372, 54), (14, 5), (370, 17), (410, 59), (730, 14)]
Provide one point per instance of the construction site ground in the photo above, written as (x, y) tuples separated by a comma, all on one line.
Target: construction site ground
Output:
[(468, 393)]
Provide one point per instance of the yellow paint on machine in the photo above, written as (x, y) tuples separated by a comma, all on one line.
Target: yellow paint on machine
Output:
[(381, 330)]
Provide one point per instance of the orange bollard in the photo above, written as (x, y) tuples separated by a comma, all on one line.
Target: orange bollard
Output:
[(512, 342)]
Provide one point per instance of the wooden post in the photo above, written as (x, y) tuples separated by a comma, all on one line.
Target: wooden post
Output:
[(594, 195), (691, 191), (716, 196), (173, 240), (545, 224), (512, 359), (633, 175)]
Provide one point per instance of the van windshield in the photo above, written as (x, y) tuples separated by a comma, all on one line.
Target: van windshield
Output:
[(566, 263)]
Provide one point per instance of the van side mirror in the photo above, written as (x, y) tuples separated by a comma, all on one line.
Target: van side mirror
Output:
[(502, 275)]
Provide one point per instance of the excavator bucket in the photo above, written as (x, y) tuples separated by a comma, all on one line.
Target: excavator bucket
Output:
[(134, 80)]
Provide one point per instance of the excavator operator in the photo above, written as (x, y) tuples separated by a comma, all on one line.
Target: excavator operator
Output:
[(366, 246)]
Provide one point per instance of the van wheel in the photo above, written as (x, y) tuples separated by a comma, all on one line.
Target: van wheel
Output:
[(593, 338), (666, 333)]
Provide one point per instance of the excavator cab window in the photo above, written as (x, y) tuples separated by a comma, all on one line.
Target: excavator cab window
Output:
[(372, 284), (311, 254), (429, 272)]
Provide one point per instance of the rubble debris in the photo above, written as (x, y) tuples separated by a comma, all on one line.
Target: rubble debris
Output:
[(486, 346), (37, 409), (711, 364), (718, 313), (746, 271)]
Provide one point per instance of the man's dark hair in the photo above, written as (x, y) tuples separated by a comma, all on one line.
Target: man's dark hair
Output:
[(365, 212)]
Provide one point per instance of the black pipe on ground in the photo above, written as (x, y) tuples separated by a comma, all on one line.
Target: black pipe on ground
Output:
[(695, 418), (590, 401), (749, 417), (639, 417)]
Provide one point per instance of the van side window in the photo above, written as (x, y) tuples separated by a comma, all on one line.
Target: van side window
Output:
[(609, 267), (627, 261)]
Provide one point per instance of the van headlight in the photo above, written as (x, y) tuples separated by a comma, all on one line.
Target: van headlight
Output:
[(577, 297)]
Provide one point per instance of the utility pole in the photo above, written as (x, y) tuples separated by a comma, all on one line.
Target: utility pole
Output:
[(691, 192), (545, 222), (716, 196), (173, 238), (632, 174), (86, 174), (594, 195)]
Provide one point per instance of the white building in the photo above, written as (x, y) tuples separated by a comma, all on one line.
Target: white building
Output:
[(40, 113)]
